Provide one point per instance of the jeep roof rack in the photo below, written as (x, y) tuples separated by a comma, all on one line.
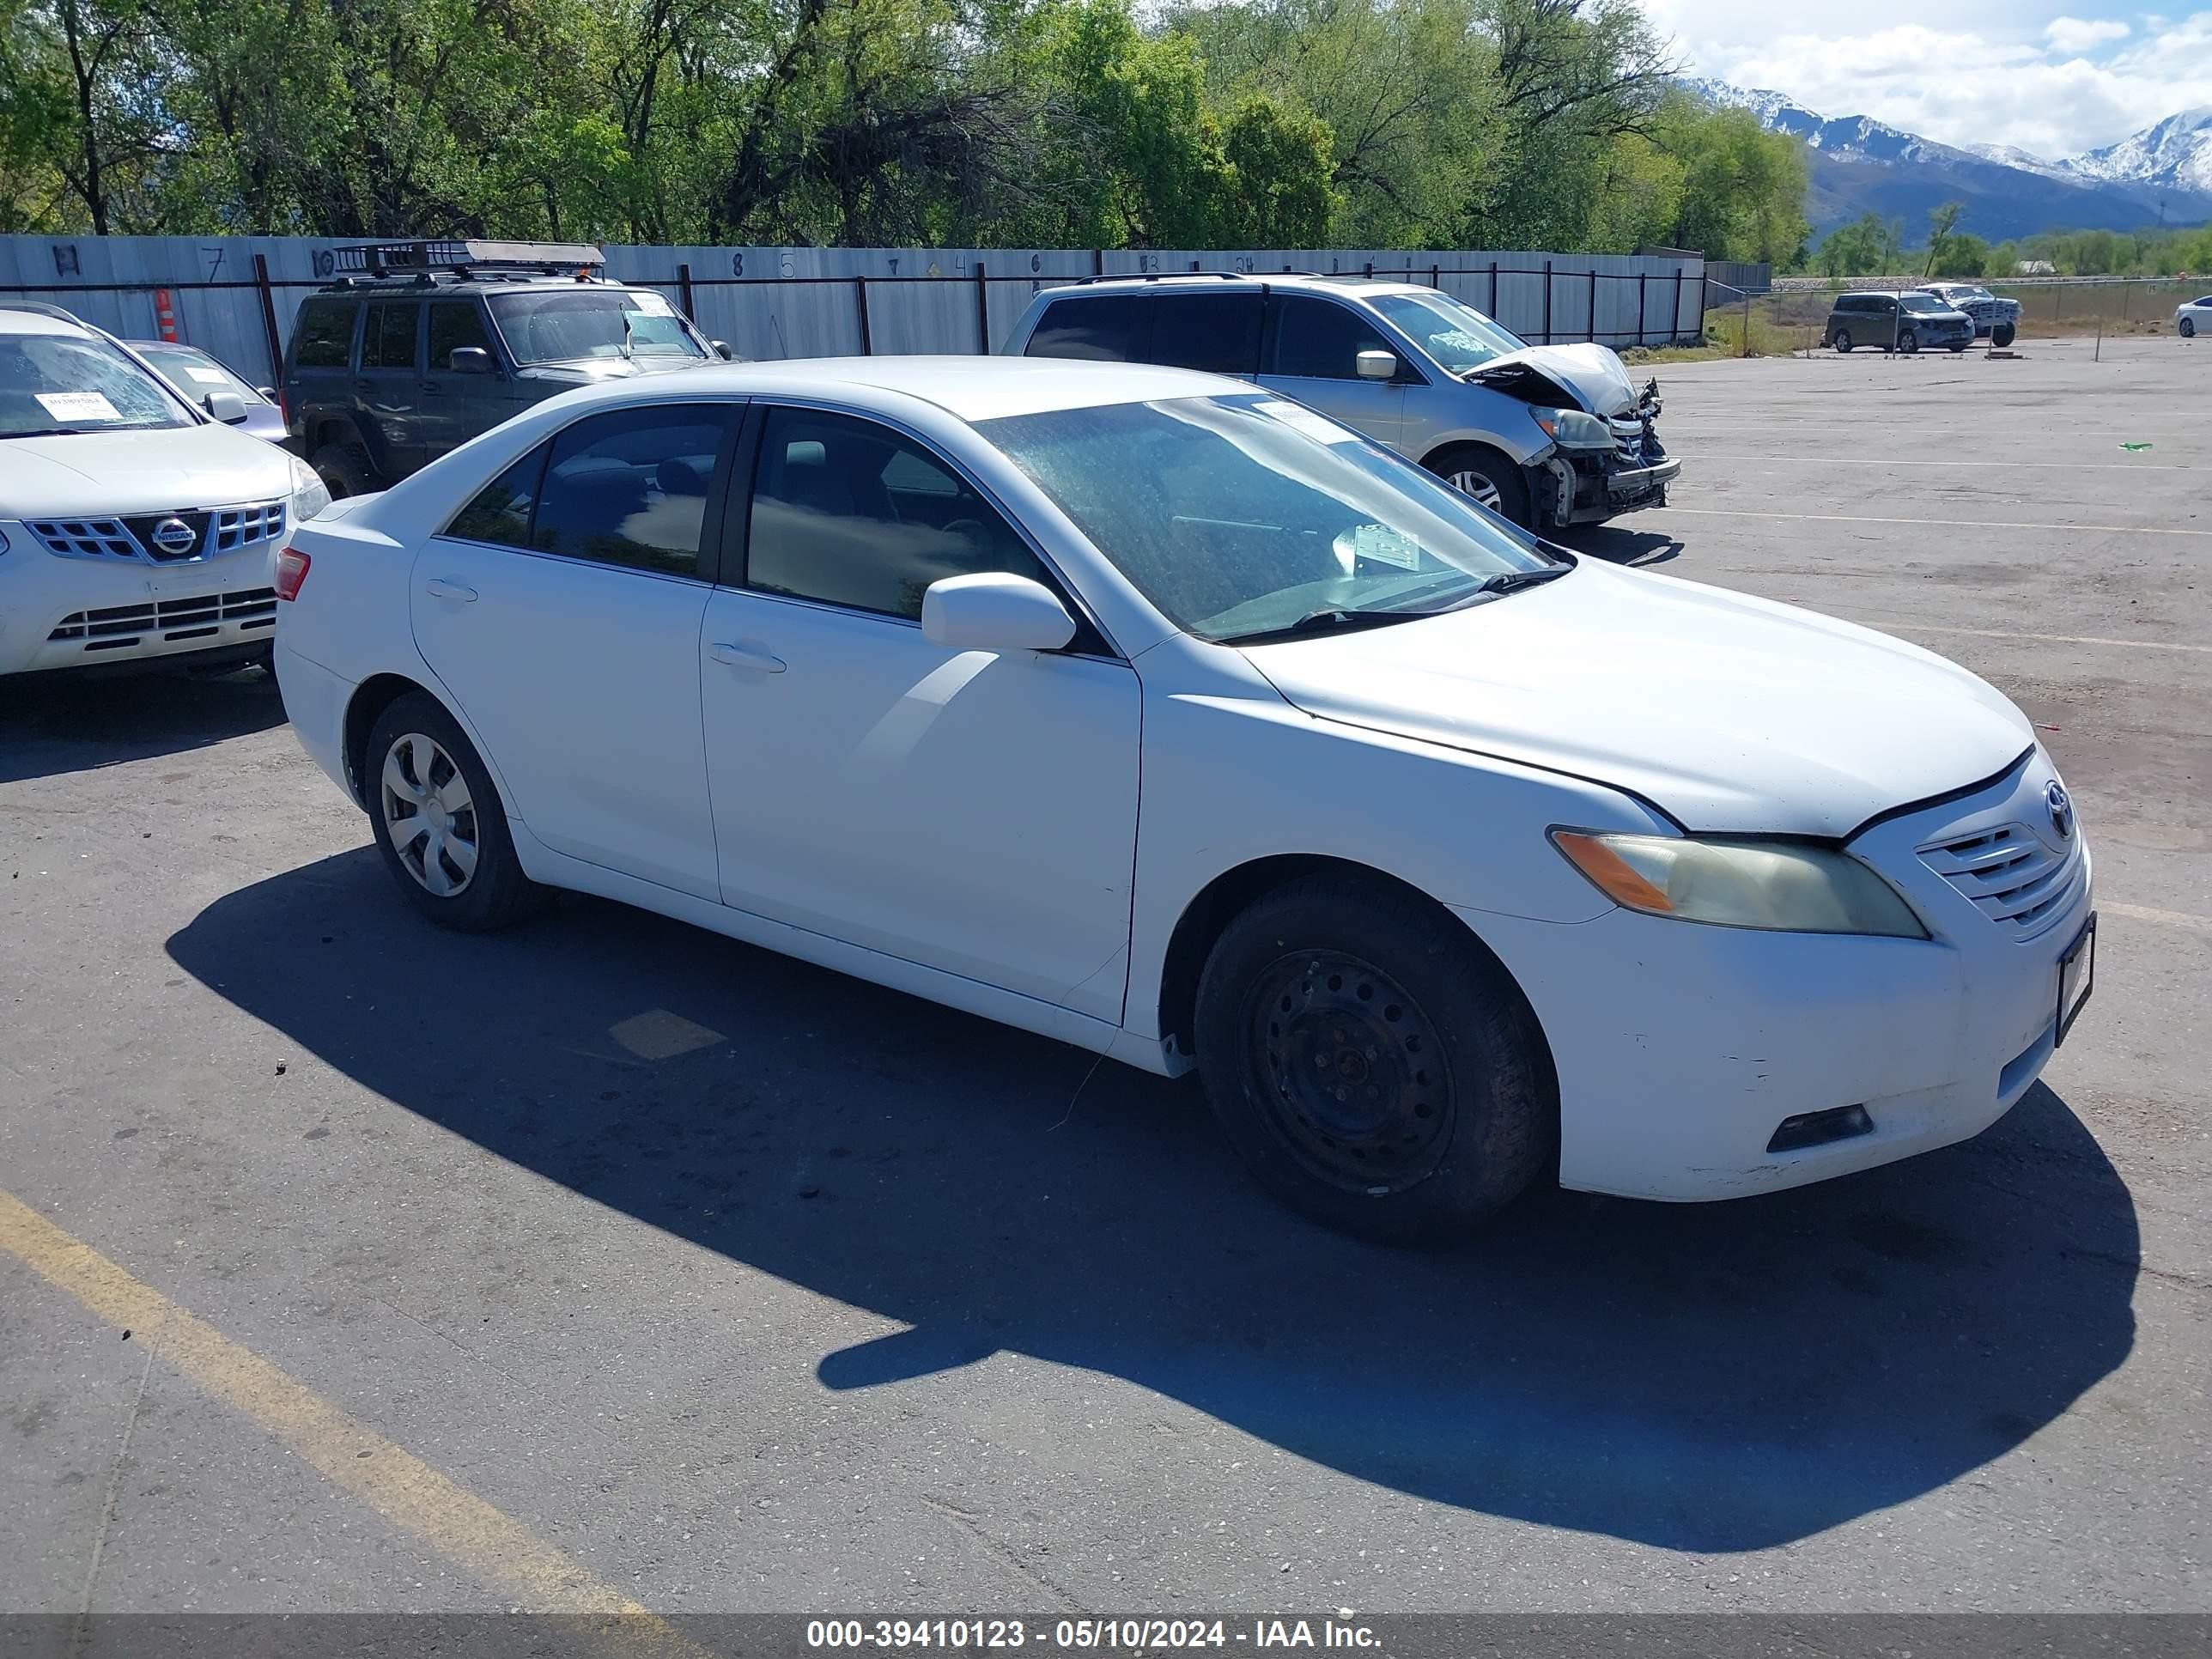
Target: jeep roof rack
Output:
[(462, 257)]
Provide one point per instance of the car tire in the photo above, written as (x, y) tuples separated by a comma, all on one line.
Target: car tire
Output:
[(1908, 342), (1388, 997), (2188, 328), (460, 868), (345, 470), (1491, 476), (2001, 335), (1843, 339), (1956, 349)]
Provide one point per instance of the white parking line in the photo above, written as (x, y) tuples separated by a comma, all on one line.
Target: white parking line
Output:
[(1979, 466), (1939, 524), (2171, 918), (2045, 639)]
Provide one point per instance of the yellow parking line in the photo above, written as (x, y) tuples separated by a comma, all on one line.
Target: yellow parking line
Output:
[(398, 1485), (2043, 639)]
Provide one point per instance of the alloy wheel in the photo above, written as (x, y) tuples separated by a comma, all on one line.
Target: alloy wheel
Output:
[(1469, 482), (429, 814)]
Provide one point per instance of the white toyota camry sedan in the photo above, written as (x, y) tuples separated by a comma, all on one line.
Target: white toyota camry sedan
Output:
[(1161, 715)]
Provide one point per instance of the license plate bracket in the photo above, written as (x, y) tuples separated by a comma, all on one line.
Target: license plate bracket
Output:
[(2077, 976)]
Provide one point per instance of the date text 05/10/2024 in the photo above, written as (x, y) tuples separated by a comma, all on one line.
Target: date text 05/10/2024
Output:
[(1126, 1634)]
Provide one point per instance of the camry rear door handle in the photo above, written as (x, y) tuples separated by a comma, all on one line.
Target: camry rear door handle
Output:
[(439, 588), (738, 656)]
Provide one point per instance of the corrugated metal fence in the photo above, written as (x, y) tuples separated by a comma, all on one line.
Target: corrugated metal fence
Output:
[(235, 296)]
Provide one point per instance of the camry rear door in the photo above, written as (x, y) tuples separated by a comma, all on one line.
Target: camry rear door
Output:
[(561, 608)]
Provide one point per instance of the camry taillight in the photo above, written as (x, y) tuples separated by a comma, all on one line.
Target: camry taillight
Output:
[(291, 571)]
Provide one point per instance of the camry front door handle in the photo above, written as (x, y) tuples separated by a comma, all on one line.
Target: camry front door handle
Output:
[(439, 588), (740, 656)]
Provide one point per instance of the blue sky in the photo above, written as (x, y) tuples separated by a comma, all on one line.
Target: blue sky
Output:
[(2055, 80)]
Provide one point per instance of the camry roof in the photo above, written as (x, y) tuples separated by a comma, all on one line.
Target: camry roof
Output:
[(972, 388)]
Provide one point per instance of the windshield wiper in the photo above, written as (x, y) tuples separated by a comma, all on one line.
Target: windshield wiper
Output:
[(1512, 581), (48, 431), (1335, 619)]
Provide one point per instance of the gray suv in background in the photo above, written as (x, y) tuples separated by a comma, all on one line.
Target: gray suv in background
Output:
[(1545, 435), (433, 342)]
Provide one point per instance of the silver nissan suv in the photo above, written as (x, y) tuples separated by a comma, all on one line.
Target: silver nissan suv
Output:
[(1545, 435)]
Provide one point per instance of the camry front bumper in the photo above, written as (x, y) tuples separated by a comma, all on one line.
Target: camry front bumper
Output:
[(1682, 1050)]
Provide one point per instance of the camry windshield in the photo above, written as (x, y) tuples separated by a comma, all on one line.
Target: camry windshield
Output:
[(52, 384), (1247, 515), (564, 326), (1457, 335)]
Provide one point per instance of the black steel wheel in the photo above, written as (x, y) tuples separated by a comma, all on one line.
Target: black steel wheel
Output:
[(1350, 1070), (1375, 1067)]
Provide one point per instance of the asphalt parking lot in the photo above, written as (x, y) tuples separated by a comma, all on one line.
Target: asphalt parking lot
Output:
[(608, 1260)]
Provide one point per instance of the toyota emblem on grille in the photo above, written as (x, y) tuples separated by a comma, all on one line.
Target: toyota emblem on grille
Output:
[(174, 535), (2062, 808)]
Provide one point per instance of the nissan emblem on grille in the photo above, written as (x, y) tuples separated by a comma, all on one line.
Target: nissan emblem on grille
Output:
[(174, 535), (2062, 808)]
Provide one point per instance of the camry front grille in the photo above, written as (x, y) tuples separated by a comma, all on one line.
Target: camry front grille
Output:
[(170, 621), (2012, 875)]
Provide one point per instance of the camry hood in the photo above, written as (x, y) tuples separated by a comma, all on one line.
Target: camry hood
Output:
[(112, 473), (1594, 373), (1732, 713)]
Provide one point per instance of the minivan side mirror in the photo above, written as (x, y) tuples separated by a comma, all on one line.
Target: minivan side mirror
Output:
[(225, 406), (994, 611), (1376, 365), (722, 349), (468, 360)]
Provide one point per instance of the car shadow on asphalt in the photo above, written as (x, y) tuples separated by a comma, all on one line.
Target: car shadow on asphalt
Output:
[(55, 723), (1707, 1378), (1616, 545)]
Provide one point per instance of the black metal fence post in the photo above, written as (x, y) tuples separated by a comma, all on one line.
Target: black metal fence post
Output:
[(982, 313), (269, 318), (1493, 290), (860, 303), (684, 287), (1642, 303), (1674, 323), (1593, 325), (1547, 303), (1436, 275)]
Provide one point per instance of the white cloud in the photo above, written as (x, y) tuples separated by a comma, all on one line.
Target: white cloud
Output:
[(2077, 34), (2024, 82)]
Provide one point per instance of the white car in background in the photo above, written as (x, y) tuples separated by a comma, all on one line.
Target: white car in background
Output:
[(2192, 314), (1156, 712), (134, 525)]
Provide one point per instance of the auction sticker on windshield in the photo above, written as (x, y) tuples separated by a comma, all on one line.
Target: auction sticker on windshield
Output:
[(78, 406), (649, 304)]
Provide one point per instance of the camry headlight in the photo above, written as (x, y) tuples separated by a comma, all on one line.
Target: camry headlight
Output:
[(1785, 886), (310, 495), (1571, 429)]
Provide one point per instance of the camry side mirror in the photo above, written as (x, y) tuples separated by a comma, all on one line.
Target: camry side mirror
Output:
[(722, 349), (225, 406), (468, 360), (1376, 365), (992, 610)]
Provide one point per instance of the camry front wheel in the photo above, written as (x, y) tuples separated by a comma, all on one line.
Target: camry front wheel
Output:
[(437, 820), (1372, 1064)]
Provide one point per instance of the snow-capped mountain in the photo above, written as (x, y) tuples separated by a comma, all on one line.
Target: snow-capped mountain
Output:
[(1860, 165), (2175, 155)]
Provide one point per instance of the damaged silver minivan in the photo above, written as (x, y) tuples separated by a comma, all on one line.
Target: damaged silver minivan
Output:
[(1546, 436)]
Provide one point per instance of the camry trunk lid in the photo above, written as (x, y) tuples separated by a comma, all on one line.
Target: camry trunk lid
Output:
[(1732, 713)]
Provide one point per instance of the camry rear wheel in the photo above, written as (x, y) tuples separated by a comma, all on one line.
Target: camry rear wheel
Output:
[(438, 821), (1372, 1063), (1490, 476)]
